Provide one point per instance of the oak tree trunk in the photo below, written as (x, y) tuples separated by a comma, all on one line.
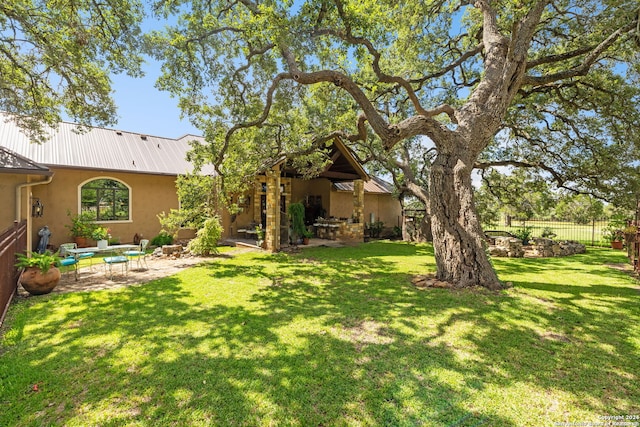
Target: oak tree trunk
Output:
[(457, 235), (418, 230)]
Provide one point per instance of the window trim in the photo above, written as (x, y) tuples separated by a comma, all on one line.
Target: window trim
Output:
[(129, 188)]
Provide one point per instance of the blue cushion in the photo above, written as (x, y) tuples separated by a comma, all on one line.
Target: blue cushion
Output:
[(68, 261), (115, 259), (86, 255)]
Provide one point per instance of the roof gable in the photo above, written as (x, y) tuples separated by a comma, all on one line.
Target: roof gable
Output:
[(11, 162), (343, 165)]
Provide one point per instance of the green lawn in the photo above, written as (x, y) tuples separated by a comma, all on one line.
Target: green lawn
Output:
[(331, 337)]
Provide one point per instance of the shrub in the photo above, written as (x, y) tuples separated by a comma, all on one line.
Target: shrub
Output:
[(162, 239), (374, 228), (548, 233), (81, 224), (523, 234), (206, 241), (296, 213)]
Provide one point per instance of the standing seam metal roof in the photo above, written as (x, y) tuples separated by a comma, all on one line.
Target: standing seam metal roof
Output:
[(102, 148), (374, 185)]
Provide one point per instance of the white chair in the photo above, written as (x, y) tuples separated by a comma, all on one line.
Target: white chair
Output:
[(139, 254)]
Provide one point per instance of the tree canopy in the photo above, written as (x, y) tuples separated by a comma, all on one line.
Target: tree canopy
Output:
[(58, 56), (545, 84)]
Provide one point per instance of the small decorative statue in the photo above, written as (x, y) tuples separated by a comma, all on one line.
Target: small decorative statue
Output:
[(44, 234)]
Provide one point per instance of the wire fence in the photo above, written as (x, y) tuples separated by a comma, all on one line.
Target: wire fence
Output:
[(590, 234)]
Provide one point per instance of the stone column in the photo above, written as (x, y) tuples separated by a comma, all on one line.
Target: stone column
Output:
[(272, 234), (358, 201), (356, 230)]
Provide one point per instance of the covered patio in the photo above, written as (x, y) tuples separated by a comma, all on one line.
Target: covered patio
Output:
[(325, 208)]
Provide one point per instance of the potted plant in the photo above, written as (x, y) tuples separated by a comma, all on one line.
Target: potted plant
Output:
[(306, 235), (615, 237), (40, 274), (81, 227), (260, 234), (296, 214), (100, 234)]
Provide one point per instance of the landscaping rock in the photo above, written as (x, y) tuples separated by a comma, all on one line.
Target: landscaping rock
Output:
[(542, 247), (498, 251), (511, 245), (175, 250)]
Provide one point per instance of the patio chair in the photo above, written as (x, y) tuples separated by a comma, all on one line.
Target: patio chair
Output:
[(69, 262), (119, 259), (84, 255), (139, 254)]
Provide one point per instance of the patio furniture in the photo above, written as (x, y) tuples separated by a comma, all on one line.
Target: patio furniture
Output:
[(139, 254), (64, 249), (119, 259), (68, 262)]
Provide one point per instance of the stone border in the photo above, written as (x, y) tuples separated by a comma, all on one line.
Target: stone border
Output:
[(540, 247)]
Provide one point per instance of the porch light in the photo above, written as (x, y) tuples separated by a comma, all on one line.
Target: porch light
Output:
[(37, 208)]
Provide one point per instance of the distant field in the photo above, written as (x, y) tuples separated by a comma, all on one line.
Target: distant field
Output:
[(589, 234)]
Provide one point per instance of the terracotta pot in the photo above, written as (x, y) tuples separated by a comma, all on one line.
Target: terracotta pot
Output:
[(36, 282), (305, 240), (81, 242), (616, 244)]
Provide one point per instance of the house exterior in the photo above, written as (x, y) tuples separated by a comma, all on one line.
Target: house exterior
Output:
[(126, 179)]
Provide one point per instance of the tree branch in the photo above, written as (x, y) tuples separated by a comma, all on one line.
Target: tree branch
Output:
[(582, 69)]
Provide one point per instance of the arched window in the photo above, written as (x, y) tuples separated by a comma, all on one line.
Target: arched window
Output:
[(106, 198)]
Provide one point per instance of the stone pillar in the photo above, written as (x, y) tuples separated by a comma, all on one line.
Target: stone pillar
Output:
[(355, 231), (272, 233), (358, 201)]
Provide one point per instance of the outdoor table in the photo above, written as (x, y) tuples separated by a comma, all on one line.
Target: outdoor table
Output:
[(112, 248), (115, 249)]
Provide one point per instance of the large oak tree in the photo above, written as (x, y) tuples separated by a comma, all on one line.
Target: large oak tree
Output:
[(58, 56), (550, 84)]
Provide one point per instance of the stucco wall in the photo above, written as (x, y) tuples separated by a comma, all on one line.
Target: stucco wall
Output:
[(150, 195), (301, 188), (8, 183), (384, 207)]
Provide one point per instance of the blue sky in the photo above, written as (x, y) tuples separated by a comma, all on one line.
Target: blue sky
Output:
[(144, 109)]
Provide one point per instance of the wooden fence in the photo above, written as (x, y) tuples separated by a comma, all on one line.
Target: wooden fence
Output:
[(12, 241)]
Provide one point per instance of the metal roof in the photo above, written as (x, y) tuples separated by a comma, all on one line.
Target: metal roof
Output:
[(102, 148), (11, 162), (374, 185)]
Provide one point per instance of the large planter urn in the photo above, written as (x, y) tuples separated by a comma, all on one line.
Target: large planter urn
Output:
[(34, 281)]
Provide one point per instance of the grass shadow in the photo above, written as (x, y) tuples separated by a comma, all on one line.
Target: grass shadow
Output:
[(328, 337)]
